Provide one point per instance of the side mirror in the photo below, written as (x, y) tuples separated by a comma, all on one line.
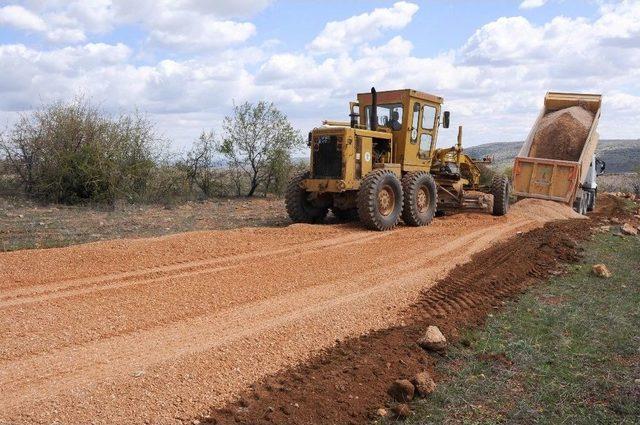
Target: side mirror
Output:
[(600, 166), (446, 118)]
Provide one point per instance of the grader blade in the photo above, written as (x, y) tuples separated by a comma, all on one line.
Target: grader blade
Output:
[(480, 201)]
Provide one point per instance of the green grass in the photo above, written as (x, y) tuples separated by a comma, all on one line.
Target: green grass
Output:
[(566, 352)]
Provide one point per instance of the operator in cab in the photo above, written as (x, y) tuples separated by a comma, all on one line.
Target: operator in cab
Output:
[(394, 123)]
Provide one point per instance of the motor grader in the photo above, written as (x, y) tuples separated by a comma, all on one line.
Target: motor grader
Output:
[(383, 165)]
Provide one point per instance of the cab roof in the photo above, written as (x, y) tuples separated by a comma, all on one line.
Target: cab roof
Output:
[(398, 96)]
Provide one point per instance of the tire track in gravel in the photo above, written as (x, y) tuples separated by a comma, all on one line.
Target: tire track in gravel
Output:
[(52, 372), (46, 292), (348, 382), (74, 357)]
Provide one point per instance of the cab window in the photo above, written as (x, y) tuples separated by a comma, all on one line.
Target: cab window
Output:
[(428, 117), (414, 122), (388, 116), (425, 144)]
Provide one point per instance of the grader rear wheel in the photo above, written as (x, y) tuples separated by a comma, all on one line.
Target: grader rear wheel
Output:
[(380, 200), (299, 207), (420, 198)]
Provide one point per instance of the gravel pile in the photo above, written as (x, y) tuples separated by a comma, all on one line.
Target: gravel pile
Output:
[(562, 134)]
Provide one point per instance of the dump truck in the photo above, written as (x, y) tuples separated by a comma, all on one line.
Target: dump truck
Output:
[(546, 168), (383, 164)]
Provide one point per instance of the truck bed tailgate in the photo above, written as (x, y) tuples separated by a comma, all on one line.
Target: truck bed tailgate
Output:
[(545, 178)]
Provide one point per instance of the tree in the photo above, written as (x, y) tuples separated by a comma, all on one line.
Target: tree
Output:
[(201, 164), (257, 142)]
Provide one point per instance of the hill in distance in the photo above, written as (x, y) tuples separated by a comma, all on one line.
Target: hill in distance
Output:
[(621, 156)]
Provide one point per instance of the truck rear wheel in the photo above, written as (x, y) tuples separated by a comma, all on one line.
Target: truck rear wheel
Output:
[(380, 200), (420, 198), (580, 205), (592, 200), (500, 189), (299, 207)]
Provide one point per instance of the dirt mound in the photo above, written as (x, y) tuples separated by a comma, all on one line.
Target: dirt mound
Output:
[(543, 210), (610, 206), (562, 134), (349, 382)]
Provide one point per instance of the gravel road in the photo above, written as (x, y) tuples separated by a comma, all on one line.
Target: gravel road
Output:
[(160, 330)]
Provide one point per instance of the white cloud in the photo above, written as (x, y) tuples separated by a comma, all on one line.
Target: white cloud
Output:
[(228, 9), (187, 24), (397, 46), (190, 31), (532, 4), (21, 18), (340, 35), (493, 83), (503, 41)]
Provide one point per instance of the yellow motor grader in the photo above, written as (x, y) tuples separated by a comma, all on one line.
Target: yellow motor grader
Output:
[(383, 165)]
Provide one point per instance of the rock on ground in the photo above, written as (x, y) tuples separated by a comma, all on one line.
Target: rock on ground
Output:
[(601, 270), (423, 384), (402, 390), (628, 229), (401, 411), (433, 339)]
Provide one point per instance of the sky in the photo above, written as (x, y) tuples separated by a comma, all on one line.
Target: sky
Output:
[(185, 63)]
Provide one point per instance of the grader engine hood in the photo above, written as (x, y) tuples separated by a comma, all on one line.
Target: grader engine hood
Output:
[(341, 156), (327, 154)]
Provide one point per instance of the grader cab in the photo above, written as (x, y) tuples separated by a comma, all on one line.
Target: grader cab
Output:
[(383, 165)]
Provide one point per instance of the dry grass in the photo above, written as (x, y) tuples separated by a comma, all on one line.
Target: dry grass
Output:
[(623, 182), (566, 352), (24, 224)]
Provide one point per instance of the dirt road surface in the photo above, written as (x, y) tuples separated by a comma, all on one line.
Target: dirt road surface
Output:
[(160, 330)]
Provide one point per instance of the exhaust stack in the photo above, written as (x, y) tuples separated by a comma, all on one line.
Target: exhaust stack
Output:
[(373, 117)]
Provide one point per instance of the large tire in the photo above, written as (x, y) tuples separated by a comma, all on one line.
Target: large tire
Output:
[(380, 200), (500, 189), (420, 198), (350, 214), (299, 208), (592, 200), (578, 205)]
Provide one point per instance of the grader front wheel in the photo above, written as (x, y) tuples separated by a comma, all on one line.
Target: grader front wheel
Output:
[(299, 207), (380, 200), (420, 198)]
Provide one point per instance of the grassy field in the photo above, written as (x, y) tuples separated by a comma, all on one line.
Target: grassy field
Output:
[(25, 224), (568, 351)]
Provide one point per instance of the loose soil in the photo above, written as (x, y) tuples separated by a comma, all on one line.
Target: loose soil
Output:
[(348, 383), (562, 134), (162, 330)]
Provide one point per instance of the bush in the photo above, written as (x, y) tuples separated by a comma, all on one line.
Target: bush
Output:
[(204, 170), (486, 174), (257, 143), (73, 152)]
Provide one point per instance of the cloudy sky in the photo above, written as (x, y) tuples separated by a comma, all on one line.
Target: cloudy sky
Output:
[(185, 62)]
